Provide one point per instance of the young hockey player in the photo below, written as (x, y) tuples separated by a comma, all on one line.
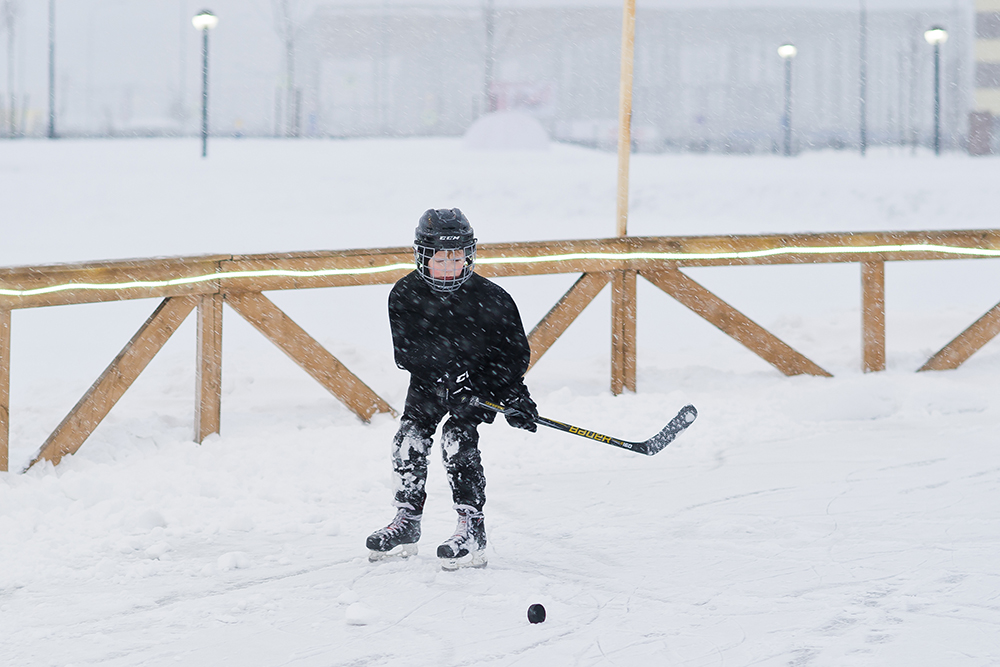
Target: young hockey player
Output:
[(459, 335)]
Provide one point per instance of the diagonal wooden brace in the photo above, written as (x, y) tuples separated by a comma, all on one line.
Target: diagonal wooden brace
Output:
[(967, 343), (564, 313), (304, 350), (733, 323), (95, 405)]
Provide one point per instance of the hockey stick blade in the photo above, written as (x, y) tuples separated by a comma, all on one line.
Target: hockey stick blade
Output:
[(654, 445), (674, 427)]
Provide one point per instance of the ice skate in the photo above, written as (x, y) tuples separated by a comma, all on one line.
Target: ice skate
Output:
[(467, 547), (397, 540)]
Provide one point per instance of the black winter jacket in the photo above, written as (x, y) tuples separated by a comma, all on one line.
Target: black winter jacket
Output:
[(476, 328)]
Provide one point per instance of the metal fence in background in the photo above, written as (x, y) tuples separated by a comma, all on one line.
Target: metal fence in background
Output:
[(705, 79)]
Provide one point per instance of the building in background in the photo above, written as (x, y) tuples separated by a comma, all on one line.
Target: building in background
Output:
[(986, 101)]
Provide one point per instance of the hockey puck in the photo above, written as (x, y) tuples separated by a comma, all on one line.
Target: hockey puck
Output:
[(536, 613)]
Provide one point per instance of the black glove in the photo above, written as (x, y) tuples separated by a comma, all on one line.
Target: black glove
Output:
[(521, 410), (454, 388)]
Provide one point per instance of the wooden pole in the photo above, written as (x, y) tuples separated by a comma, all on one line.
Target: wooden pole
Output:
[(4, 389), (623, 295), (625, 113), (873, 316)]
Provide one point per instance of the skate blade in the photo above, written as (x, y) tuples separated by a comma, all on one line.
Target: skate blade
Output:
[(400, 551), (475, 559)]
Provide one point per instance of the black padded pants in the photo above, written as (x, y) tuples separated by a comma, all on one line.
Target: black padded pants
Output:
[(459, 448)]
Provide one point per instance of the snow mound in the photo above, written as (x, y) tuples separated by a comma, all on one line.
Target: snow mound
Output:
[(360, 614), (234, 560), (143, 521), (507, 131)]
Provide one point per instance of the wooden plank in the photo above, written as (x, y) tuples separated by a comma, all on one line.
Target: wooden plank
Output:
[(625, 114), (4, 390), (623, 348), (873, 316), (564, 313), (107, 275), (967, 343), (363, 261), (95, 405), (575, 256), (304, 350), (208, 383), (733, 323), (582, 259)]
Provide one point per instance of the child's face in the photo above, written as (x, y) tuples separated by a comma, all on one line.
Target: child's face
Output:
[(446, 264)]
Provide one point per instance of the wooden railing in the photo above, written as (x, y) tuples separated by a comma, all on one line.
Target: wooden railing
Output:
[(205, 283)]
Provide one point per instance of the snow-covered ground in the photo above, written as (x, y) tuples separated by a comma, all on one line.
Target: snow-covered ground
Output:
[(800, 521)]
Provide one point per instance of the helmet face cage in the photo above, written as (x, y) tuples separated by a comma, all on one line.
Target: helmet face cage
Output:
[(422, 255)]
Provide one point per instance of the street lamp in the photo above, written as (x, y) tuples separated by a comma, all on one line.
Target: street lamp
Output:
[(52, 69), (863, 76), (204, 21), (788, 53), (937, 36)]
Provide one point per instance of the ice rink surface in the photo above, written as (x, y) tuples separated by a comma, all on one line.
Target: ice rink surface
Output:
[(840, 521)]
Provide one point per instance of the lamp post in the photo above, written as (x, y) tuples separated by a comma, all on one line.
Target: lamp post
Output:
[(937, 36), (489, 102), (10, 17), (52, 69), (788, 53), (863, 76), (204, 21)]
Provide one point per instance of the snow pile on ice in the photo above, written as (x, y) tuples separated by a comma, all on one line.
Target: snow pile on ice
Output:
[(507, 131), (360, 614)]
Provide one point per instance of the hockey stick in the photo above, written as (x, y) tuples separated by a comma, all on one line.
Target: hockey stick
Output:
[(681, 421)]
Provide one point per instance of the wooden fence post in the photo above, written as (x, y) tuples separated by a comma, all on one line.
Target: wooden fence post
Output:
[(873, 316), (623, 314), (4, 390), (208, 385)]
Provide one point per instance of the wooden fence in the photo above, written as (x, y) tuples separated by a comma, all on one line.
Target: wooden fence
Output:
[(205, 283)]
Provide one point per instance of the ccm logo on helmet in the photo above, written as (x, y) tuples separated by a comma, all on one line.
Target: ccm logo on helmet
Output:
[(449, 238)]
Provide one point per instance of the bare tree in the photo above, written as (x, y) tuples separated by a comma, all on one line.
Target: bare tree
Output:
[(10, 12), (286, 27), (489, 16)]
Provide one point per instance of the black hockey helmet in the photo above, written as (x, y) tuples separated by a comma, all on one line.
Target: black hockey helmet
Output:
[(444, 229)]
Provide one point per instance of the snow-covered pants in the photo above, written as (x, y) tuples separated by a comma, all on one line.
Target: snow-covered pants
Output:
[(459, 448)]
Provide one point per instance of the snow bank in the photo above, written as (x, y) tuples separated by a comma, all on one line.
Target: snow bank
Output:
[(506, 131)]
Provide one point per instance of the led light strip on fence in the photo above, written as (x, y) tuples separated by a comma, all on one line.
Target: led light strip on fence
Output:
[(667, 256)]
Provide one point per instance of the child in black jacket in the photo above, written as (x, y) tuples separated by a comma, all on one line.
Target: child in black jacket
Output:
[(459, 335)]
